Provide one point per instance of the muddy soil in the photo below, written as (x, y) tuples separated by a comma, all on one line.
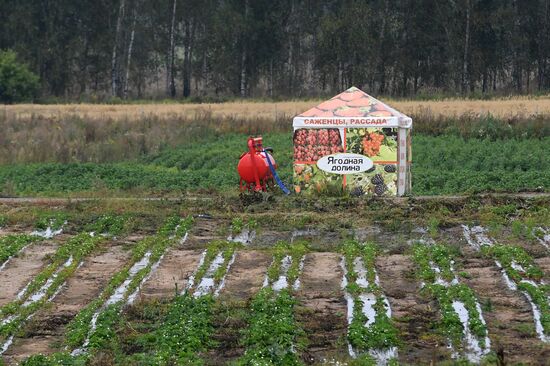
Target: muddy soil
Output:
[(414, 314), (246, 275), (45, 331), (544, 264), (205, 230), (322, 308), (24, 267), (173, 273), (508, 314), (266, 238)]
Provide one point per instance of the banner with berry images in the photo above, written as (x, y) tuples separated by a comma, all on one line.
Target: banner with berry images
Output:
[(364, 154)]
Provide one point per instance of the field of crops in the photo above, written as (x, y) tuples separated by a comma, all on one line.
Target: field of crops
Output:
[(41, 157), (206, 280)]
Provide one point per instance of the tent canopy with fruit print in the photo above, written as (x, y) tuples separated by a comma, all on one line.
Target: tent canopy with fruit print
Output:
[(353, 125), (352, 108)]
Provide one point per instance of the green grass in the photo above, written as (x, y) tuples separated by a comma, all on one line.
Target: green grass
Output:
[(445, 164)]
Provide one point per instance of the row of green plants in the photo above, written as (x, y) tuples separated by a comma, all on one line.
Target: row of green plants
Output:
[(282, 249), (80, 328), (381, 333), (238, 225), (520, 268), (19, 310), (48, 282), (12, 244), (273, 335), (214, 248), (444, 164), (444, 287)]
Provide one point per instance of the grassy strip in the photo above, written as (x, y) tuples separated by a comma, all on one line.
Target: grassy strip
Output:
[(272, 337), (507, 255), (450, 323), (12, 244), (78, 247), (382, 333)]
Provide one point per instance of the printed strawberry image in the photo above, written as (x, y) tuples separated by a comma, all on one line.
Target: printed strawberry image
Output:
[(351, 95), (349, 112), (361, 102), (331, 104)]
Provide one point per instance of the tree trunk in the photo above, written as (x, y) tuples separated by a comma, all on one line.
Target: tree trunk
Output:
[(114, 59), (466, 49), (270, 87), (130, 48), (171, 81), (243, 56), (188, 55)]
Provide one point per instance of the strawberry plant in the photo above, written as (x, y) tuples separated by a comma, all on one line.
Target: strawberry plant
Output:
[(380, 333)]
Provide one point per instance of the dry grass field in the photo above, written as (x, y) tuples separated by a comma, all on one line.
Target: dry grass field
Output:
[(275, 110)]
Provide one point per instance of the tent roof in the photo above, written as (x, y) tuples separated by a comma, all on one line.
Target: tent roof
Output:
[(352, 103)]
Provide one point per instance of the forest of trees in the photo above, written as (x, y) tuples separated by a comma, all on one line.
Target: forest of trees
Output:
[(85, 49)]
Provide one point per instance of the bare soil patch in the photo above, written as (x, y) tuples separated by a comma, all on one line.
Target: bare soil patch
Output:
[(413, 314), (45, 331), (508, 314), (173, 272), (322, 308), (23, 268)]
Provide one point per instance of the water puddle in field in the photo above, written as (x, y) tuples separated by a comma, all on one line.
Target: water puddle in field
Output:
[(543, 236), (282, 281), (119, 293), (132, 298), (476, 236), (439, 279), (222, 282), (116, 297), (359, 268), (368, 301), (191, 281), (301, 233), (6, 345), (37, 296), (472, 350), (244, 237), (207, 282), (49, 232), (297, 283)]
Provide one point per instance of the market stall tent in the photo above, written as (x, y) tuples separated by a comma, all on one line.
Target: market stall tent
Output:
[(354, 141)]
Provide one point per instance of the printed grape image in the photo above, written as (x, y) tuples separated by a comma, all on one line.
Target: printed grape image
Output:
[(378, 181)]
